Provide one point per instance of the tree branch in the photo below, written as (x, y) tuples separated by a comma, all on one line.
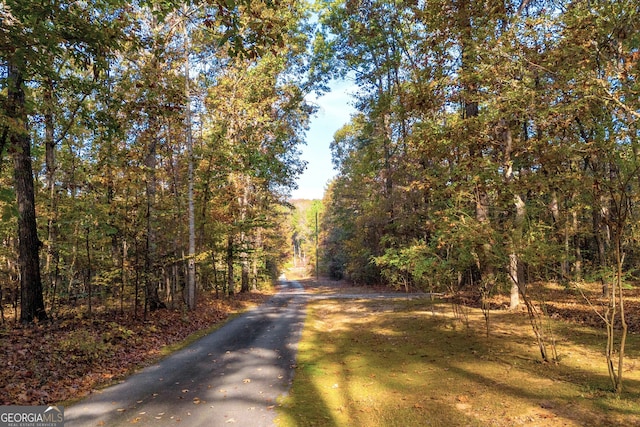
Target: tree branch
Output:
[(72, 116), (523, 6), (3, 141)]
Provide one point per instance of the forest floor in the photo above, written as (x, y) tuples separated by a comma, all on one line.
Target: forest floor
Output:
[(418, 362), (64, 359)]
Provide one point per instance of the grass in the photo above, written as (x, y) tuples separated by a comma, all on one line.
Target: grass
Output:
[(411, 363)]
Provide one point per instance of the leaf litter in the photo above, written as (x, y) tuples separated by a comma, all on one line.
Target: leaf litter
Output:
[(65, 359)]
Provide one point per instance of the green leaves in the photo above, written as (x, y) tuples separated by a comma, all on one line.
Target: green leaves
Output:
[(105, 105), (480, 132), (8, 205)]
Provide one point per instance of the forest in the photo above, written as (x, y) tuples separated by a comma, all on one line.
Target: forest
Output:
[(148, 149), (495, 141), (495, 149)]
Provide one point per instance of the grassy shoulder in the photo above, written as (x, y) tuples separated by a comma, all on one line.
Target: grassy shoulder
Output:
[(64, 360), (412, 363)]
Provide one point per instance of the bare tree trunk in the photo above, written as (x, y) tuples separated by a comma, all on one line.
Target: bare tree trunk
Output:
[(599, 232), (88, 285), (577, 265), (244, 241), (32, 300), (245, 274), (216, 283), (124, 273), (74, 259), (50, 166), (515, 266), (254, 260), (191, 266), (615, 310), (152, 299), (230, 279), (136, 287), (617, 295)]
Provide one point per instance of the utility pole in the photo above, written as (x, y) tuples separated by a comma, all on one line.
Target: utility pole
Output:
[(316, 245)]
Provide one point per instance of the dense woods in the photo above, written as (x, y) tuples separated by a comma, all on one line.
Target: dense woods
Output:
[(499, 139), (495, 147), (148, 149)]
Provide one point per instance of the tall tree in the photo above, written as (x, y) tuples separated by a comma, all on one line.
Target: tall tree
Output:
[(36, 34)]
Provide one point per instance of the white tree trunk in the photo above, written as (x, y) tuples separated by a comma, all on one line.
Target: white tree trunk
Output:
[(191, 266)]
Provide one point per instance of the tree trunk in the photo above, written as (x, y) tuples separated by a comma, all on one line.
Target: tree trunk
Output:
[(515, 275), (88, 285), (244, 241), (191, 267), (230, 279), (152, 299), (216, 283), (32, 301), (470, 112), (124, 276), (601, 238), (51, 272), (254, 260), (577, 264), (244, 256), (245, 272), (515, 265)]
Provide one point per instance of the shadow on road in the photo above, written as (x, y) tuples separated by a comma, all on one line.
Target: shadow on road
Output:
[(233, 375)]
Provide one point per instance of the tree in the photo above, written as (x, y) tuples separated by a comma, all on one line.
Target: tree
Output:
[(35, 34), (102, 91), (491, 148)]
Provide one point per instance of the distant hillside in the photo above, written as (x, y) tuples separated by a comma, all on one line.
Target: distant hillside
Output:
[(303, 204)]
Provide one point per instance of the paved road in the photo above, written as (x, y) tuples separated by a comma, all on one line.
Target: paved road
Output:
[(231, 377)]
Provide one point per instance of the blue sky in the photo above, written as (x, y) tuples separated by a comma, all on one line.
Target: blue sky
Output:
[(334, 111)]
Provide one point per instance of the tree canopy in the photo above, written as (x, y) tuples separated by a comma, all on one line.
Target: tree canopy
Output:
[(495, 145), (147, 148), (105, 107)]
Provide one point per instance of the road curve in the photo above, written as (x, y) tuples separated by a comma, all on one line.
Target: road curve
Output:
[(232, 376)]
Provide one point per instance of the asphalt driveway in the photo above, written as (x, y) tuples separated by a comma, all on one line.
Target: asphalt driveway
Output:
[(232, 376)]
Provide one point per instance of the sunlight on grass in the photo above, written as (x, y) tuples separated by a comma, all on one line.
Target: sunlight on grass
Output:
[(412, 364)]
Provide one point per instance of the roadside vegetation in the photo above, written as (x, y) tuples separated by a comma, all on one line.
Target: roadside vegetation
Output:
[(419, 362), (66, 359)]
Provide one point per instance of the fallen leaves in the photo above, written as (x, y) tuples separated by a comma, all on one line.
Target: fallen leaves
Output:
[(67, 358)]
